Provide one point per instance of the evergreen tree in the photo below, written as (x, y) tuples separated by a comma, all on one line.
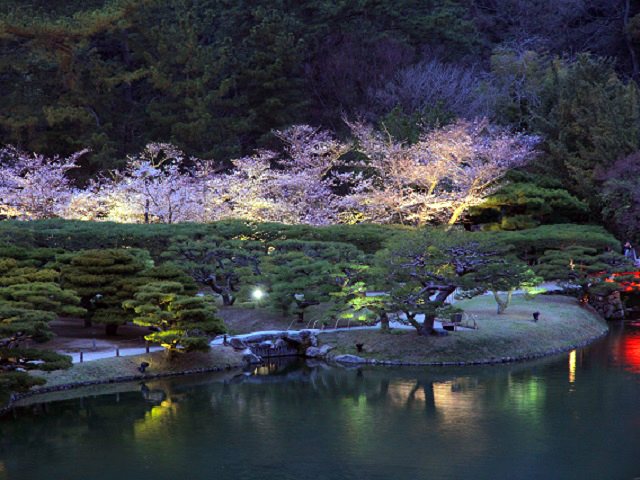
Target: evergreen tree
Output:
[(301, 274), (521, 205), (225, 266), (103, 279), (181, 323), (29, 300), (76, 73), (584, 269), (590, 118)]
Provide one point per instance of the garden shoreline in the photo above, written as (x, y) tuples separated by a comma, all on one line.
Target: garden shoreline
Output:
[(107, 381), (492, 361), (330, 360), (462, 353)]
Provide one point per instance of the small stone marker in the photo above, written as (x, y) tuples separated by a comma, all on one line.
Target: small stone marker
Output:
[(143, 366)]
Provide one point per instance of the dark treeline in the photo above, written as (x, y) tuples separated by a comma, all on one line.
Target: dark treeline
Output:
[(216, 77)]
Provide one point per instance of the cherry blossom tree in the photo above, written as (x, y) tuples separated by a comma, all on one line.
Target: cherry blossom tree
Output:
[(156, 187), (33, 186), (293, 187), (436, 179)]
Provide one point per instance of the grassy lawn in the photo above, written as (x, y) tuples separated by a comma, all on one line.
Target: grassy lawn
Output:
[(563, 323), (115, 367)]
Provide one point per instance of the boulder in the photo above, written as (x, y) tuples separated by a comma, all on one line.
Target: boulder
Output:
[(304, 334), (318, 352), (312, 352), (325, 349), (349, 359), (609, 306), (251, 358)]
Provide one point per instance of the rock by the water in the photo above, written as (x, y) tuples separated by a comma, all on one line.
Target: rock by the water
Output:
[(251, 358), (609, 306), (304, 334), (349, 359), (318, 352), (325, 349), (312, 352)]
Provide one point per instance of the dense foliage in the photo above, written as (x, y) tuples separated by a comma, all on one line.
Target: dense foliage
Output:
[(221, 80), (311, 151)]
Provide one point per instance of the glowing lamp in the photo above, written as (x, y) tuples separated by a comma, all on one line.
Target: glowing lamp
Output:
[(257, 294)]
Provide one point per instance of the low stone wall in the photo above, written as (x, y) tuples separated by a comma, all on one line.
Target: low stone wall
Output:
[(610, 307)]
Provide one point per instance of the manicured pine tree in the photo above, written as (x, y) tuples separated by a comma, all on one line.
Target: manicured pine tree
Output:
[(103, 279), (29, 300), (225, 266), (586, 269), (301, 274), (504, 275), (182, 323)]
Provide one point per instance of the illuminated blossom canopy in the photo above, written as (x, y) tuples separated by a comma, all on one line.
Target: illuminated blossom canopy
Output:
[(437, 178), (33, 186), (311, 180)]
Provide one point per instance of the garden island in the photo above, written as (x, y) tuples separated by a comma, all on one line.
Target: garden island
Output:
[(290, 236)]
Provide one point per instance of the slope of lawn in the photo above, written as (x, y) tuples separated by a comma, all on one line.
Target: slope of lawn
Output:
[(563, 325)]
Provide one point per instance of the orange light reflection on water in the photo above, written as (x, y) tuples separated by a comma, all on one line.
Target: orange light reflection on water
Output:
[(627, 352)]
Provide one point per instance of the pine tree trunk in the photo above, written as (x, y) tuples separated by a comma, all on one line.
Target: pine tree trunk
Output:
[(384, 322), (457, 212), (227, 299), (503, 304), (427, 325)]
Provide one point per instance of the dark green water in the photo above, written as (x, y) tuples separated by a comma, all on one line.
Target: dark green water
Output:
[(572, 417)]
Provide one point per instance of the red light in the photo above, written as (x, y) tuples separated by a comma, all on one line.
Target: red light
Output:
[(627, 286), (630, 353)]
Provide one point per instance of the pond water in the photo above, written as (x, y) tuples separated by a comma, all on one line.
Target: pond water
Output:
[(576, 416)]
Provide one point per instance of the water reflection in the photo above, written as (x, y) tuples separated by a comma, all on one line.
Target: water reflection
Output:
[(629, 353), (572, 366), (155, 420), (302, 421)]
